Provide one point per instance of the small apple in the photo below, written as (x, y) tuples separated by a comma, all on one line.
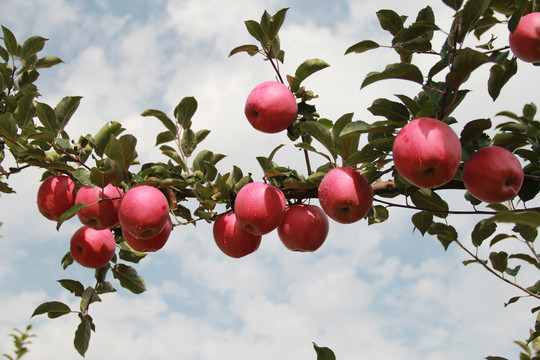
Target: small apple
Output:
[(271, 107), (102, 214), (427, 152), (493, 174), (92, 248), (232, 239), (303, 228), (345, 195), (143, 211), (525, 40), (55, 196), (151, 244), (259, 207)]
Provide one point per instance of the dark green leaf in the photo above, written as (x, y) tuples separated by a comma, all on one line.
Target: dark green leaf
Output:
[(426, 199), (528, 233), (184, 111), (390, 21), (161, 116), (414, 31), (465, 62), (65, 110), (73, 286), (104, 287), (164, 137), (378, 214), (471, 13), (473, 129), (500, 237), (69, 214), (10, 41), (454, 4), (201, 135), (25, 110), (8, 127), (275, 23), (391, 110), (188, 142), (321, 133), (422, 221), (53, 309), (250, 49), (339, 125), (122, 150), (527, 258), (88, 297), (306, 69), (362, 46), (47, 117), (499, 260), (395, 71), (531, 218), (83, 334), (102, 138), (482, 230), (324, 353), (67, 260), (129, 278), (445, 233), (499, 76), (255, 29)]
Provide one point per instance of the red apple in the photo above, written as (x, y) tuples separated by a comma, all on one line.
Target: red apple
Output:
[(92, 248), (493, 174), (102, 214), (232, 239), (427, 153), (525, 40), (143, 211), (55, 196), (303, 228), (151, 244), (271, 107), (259, 207), (345, 195)]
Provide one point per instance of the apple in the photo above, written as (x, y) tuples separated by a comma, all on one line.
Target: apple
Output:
[(55, 196), (304, 227), (493, 174), (151, 244), (345, 195), (271, 107), (259, 207), (525, 40), (232, 239), (100, 214), (143, 211), (427, 152), (92, 248)]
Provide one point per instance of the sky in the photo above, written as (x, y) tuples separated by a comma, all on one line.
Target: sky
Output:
[(370, 292)]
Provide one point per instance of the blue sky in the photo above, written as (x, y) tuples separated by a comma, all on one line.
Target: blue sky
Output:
[(373, 292)]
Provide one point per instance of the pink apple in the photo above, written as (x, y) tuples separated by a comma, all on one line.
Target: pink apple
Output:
[(427, 153), (493, 174), (103, 214), (92, 248), (345, 195), (303, 228), (259, 207), (271, 107), (232, 239), (525, 40), (55, 196), (143, 211), (151, 244)]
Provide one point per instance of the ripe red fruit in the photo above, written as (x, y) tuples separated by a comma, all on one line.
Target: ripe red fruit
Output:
[(345, 195), (271, 107), (151, 244), (303, 228), (525, 40), (55, 196), (232, 239), (143, 211), (427, 153), (493, 174), (103, 214), (92, 248), (259, 207)]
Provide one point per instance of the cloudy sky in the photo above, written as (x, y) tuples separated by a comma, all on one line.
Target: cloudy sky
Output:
[(373, 292)]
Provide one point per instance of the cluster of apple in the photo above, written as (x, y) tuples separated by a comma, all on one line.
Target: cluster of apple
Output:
[(143, 212)]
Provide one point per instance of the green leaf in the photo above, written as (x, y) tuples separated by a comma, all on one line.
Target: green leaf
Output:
[(104, 287), (378, 214), (47, 117), (471, 13), (164, 137), (321, 133), (69, 214), (47, 62), (254, 29), (414, 31), (275, 23), (390, 21), (422, 221), (10, 41), (122, 150), (500, 237), (465, 62), (499, 76), (103, 136), (83, 334), (528, 233), (454, 4), (8, 127), (531, 218), (184, 111), (395, 71), (324, 353), (32, 46), (161, 116), (65, 110), (250, 49), (129, 278), (88, 297), (53, 309), (75, 287), (473, 129), (482, 230), (188, 142), (309, 147), (25, 111), (391, 110), (527, 258), (426, 199), (306, 69), (445, 233), (362, 46), (499, 260), (201, 135)]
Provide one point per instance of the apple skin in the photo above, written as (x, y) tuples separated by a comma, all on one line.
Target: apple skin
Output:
[(143, 211), (345, 195), (152, 244), (259, 207), (304, 228), (525, 40), (271, 107), (104, 214), (92, 248), (55, 196), (427, 153), (232, 239), (493, 174)]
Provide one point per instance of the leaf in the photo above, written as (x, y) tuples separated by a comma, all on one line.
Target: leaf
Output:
[(32, 46), (275, 23), (531, 218), (499, 260), (390, 21), (88, 297), (378, 214), (188, 142), (250, 49), (499, 76), (528, 233), (305, 69), (482, 230), (83, 334), (422, 221), (465, 62), (454, 4), (47, 117), (445, 233), (164, 137), (53, 309), (324, 353), (426, 199), (395, 71), (254, 29), (69, 214), (473, 129), (104, 287), (527, 258), (129, 278), (161, 116), (8, 128), (184, 111), (47, 62), (471, 13), (10, 41), (75, 287), (122, 150), (321, 133), (103, 136), (362, 46), (65, 110), (414, 31), (391, 110)]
